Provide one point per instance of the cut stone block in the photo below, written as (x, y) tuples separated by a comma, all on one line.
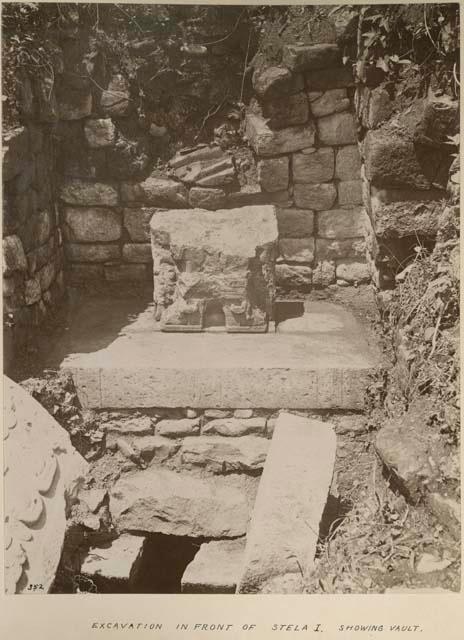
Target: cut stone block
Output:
[(340, 223), (272, 82), (310, 57), (225, 255), (158, 192), (348, 163), (273, 173), (340, 248), (295, 482), (115, 566), (332, 101), (294, 277), (337, 129), (207, 198), (225, 455), (353, 271), (139, 253), (216, 567), (162, 501), (236, 426), (315, 196), (88, 194), (314, 167), (349, 192), (92, 252), (137, 223), (295, 223), (323, 273), (267, 142), (297, 249), (178, 428), (286, 111), (91, 224)]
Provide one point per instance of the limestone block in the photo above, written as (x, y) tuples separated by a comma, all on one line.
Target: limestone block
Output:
[(14, 258), (294, 277), (391, 161), (41, 470), (178, 428), (267, 142), (137, 426), (353, 271), (303, 452), (137, 253), (126, 272), (295, 223), (314, 167), (273, 173), (339, 248), (155, 448), (158, 500), (310, 57), (331, 101), (340, 223), (220, 454), (206, 198), (156, 191), (115, 100), (297, 249), (272, 82), (234, 427), (314, 196), (100, 132), (337, 129), (202, 255), (87, 194), (286, 111), (137, 223), (32, 291), (215, 568), (243, 413), (323, 274), (89, 224), (92, 252), (350, 192), (337, 78), (348, 163), (114, 567), (15, 148)]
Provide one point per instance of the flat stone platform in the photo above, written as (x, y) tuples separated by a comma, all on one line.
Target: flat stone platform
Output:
[(118, 360)]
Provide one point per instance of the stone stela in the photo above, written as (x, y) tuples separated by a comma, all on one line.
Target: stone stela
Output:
[(214, 269)]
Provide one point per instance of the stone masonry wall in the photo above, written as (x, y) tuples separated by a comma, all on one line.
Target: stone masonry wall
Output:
[(303, 131), (33, 261)]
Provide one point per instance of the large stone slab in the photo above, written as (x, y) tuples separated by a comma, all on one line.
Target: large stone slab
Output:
[(216, 567), (114, 567), (226, 255), (41, 469), (158, 500), (295, 482), (118, 360)]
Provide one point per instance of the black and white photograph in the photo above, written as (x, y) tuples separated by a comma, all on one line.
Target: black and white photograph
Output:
[(231, 301)]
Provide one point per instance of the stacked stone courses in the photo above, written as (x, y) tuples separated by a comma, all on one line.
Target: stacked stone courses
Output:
[(303, 131)]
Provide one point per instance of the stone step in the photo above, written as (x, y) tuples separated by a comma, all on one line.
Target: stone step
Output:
[(114, 567), (282, 537), (156, 500), (216, 567), (324, 364)]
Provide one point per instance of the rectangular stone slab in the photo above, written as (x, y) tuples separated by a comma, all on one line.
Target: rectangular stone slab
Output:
[(284, 528), (216, 567), (119, 362), (115, 565)]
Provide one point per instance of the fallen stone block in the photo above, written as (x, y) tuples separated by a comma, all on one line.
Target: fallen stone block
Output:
[(216, 567), (224, 454), (295, 482), (162, 501), (114, 567)]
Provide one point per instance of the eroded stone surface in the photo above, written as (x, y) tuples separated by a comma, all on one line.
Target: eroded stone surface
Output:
[(161, 501), (225, 455), (41, 469), (114, 566), (295, 482)]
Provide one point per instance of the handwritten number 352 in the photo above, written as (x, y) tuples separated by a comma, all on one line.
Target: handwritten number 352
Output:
[(35, 587)]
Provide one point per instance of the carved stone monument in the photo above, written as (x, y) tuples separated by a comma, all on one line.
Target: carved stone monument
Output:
[(214, 268)]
